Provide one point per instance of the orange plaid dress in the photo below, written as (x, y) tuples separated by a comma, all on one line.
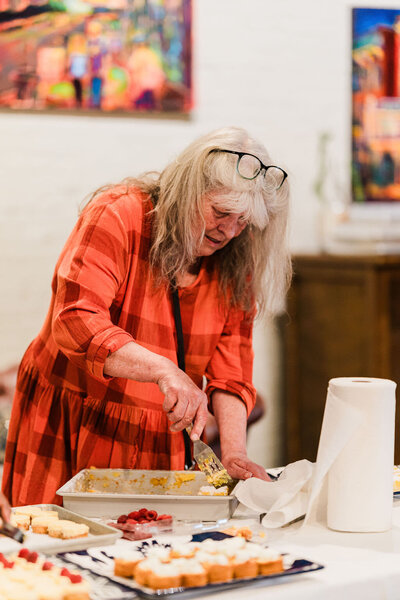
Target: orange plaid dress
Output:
[(67, 415)]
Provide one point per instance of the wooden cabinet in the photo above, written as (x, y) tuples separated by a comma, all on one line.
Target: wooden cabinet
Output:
[(343, 319)]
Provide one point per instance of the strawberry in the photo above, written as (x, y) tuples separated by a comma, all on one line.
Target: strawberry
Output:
[(151, 515), (122, 519), (32, 557), (134, 514)]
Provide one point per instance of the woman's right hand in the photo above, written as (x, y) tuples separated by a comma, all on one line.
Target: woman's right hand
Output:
[(184, 402)]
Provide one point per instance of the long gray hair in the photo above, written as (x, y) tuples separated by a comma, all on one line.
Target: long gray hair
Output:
[(253, 267)]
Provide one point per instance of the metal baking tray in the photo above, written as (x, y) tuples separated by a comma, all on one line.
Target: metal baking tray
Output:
[(99, 535), (112, 492)]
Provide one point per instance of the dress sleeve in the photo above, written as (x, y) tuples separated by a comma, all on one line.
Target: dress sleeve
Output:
[(231, 366), (91, 269)]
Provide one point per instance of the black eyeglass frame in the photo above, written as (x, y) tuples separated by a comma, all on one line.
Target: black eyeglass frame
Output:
[(262, 168)]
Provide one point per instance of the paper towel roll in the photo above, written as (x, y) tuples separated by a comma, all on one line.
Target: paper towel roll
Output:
[(360, 480)]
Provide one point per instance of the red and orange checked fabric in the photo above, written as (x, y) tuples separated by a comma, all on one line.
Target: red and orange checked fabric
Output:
[(67, 415)]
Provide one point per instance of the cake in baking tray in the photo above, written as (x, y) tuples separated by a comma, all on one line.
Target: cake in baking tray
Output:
[(47, 522), (210, 490)]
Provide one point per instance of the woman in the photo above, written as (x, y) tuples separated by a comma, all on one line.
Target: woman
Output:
[(100, 385)]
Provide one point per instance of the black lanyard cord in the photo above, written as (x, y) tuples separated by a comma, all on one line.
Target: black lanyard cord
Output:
[(181, 365), (178, 326)]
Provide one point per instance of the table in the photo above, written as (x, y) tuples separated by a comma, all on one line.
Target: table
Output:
[(357, 565)]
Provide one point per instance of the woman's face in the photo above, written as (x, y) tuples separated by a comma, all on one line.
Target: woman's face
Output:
[(220, 227)]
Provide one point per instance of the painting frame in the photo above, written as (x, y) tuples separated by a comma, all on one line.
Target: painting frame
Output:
[(375, 133), (130, 58)]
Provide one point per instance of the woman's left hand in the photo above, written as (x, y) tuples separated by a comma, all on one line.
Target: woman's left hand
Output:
[(239, 466)]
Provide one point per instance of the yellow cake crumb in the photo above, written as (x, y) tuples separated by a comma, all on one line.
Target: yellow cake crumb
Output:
[(161, 481), (181, 478)]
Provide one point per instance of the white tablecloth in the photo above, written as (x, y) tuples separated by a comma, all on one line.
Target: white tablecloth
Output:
[(357, 565)]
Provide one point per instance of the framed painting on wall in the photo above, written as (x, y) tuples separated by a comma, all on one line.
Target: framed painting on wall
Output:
[(376, 105), (97, 56)]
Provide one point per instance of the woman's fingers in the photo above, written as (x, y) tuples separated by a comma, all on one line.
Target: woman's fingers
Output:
[(238, 470), (258, 471), (243, 468), (199, 422), (178, 411), (195, 411), (170, 401)]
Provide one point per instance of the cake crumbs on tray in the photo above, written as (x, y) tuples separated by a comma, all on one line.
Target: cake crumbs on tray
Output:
[(161, 481), (210, 490), (181, 478)]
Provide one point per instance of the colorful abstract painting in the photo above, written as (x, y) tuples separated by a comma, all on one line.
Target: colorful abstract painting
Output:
[(124, 56), (376, 105)]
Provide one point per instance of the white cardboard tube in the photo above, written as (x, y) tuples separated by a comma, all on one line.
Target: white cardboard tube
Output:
[(360, 481)]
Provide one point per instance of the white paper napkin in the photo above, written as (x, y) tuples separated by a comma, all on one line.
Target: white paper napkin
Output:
[(283, 500)]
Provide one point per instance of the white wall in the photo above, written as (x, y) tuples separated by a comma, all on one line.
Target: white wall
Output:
[(279, 69)]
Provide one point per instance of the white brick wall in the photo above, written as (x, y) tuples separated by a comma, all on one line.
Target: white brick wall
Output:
[(279, 68)]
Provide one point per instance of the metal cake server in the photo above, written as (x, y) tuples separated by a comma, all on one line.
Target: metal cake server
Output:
[(209, 463)]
